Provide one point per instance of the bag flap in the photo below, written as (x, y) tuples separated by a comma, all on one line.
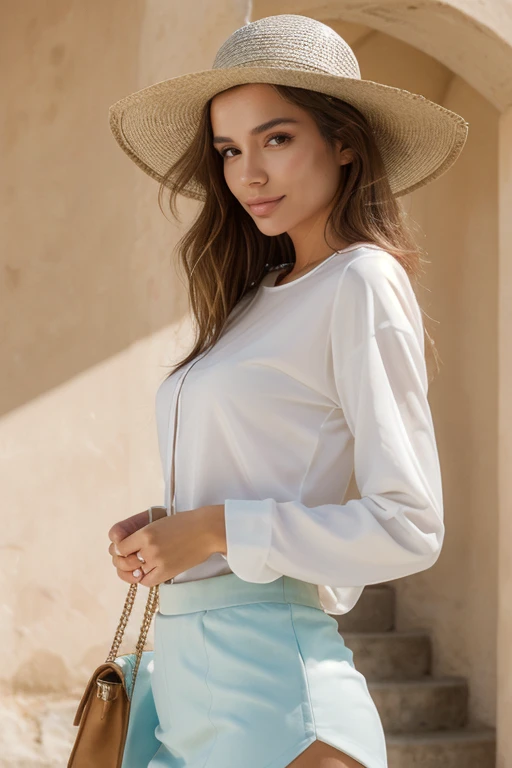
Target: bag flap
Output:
[(100, 672)]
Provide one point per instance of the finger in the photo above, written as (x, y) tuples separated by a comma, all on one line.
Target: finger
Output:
[(129, 525), (151, 578), (130, 558), (132, 544), (113, 550), (129, 563), (129, 577)]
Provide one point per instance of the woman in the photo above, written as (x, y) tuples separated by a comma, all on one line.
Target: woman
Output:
[(309, 363)]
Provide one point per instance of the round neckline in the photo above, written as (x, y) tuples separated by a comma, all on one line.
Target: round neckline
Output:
[(311, 271)]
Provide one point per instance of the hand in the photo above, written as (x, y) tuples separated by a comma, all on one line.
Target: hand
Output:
[(169, 545), (134, 523), (119, 531)]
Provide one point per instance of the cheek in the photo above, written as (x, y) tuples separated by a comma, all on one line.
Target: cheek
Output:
[(310, 166), (312, 183)]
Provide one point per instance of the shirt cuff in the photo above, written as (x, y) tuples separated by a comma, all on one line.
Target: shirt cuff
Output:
[(249, 538)]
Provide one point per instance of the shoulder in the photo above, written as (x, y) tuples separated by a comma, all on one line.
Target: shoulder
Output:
[(372, 266), (374, 287)]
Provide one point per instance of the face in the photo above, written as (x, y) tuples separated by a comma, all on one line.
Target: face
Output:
[(289, 160)]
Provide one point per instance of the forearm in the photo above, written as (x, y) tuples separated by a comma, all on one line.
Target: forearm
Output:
[(364, 541), (217, 528)]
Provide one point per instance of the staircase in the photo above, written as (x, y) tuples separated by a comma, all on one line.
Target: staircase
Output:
[(425, 718)]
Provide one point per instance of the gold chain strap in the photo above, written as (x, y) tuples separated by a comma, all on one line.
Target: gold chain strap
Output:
[(149, 611)]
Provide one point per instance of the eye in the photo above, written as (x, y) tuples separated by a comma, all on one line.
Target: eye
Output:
[(284, 136)]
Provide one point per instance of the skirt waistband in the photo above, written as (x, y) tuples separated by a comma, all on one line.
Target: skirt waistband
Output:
[(229, 590)]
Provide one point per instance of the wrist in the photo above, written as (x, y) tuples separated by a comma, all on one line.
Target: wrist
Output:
[(217, 529)]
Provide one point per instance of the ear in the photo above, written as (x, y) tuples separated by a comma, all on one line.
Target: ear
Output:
[(346, 156)]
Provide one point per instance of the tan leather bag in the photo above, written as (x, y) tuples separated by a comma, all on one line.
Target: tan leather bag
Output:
[(104, 709)]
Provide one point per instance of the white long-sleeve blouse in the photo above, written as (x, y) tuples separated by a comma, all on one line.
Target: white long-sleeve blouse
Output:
[(311, 380)]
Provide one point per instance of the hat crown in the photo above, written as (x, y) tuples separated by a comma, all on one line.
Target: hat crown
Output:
[(288, 41)]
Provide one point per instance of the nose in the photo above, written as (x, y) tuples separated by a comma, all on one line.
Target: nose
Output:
[(251, 170)]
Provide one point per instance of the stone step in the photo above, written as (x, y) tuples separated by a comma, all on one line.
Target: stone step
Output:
[(373, 612), (425, 705), (463, 748), (391, 655)]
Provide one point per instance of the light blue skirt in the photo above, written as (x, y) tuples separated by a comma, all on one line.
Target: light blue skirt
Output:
[(251, 674)]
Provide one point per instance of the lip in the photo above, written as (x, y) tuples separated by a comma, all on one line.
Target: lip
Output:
[(265, 206)]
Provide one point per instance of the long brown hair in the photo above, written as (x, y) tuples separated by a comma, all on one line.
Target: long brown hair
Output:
[(224, 255)]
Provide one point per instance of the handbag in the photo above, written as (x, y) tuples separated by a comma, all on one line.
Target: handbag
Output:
[(116, 720)]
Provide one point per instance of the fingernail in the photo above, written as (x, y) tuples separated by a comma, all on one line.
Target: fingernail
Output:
[(136, 573), (116, 550)]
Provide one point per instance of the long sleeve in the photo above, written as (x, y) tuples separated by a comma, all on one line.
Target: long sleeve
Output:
[(380, 382)]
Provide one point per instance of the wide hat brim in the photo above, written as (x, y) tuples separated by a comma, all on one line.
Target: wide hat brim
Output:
[(418, 139)]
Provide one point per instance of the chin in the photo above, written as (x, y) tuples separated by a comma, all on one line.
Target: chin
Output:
[(270, 228)]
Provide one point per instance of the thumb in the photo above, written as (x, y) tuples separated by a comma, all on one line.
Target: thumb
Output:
[(126, 527)]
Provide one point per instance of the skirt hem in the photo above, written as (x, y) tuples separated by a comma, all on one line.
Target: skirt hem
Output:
[(347, 747)]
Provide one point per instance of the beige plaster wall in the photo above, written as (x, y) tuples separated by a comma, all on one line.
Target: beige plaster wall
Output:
[(92, 309), (504, 662)]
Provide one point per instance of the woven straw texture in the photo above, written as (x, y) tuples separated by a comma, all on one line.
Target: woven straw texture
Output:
[(418, 139)]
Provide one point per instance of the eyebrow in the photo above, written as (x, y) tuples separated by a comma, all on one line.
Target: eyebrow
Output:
[(259, 128)]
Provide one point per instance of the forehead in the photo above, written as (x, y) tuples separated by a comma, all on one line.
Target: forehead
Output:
[(247, 101), (248, 93), (246, 106)]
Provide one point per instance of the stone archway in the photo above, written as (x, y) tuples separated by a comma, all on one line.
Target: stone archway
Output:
[(472, 41)]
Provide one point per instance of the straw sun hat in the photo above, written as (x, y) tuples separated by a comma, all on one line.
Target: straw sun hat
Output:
[(418, 139)]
